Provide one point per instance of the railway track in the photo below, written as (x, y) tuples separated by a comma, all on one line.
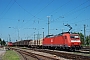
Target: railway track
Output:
[(66, 55), (28, 55), (85, 50), (23, 54), (57, 53)]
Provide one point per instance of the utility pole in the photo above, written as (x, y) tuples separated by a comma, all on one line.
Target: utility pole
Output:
[(48, 24), (43, 38), (43, 33), (18, 34), (38, 37), (34, 38), (84, 34), (62, 30), (9, 38), (34, 35)]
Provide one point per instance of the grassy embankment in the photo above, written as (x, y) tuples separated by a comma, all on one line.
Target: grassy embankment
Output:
[(11, 55)]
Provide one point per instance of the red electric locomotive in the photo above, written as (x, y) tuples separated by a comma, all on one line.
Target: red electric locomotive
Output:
[(63, 41), (10, 44)]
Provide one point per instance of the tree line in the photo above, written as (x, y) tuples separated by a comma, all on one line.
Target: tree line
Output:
[(2, 42)]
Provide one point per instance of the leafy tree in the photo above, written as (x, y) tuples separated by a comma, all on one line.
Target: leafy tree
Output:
[(82, 38), (88, 40), (2, 42)]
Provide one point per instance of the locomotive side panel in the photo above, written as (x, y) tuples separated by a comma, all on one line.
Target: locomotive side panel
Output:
[(10, 44), (67, 40), (58, 41), (48, 41)]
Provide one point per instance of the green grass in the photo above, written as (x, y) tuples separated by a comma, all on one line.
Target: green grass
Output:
[(11, 55)]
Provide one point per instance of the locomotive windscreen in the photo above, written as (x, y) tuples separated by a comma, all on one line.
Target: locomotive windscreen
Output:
[(74, 36)]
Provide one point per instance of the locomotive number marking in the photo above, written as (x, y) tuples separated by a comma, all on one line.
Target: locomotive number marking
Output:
[(51, 40)]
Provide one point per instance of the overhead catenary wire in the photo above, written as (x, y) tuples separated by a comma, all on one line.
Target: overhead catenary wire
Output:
[(60, 7), (36, 21), (73, 10), (76, 17), (23, 8), (28, 12), (34, 16), (8, 9), (80, 9), (79, 15), (45, 7), (69, 11)]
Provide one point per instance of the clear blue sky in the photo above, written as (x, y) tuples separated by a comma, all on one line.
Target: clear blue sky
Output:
[(27, 17)]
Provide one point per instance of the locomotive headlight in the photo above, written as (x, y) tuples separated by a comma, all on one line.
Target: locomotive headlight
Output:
[(75, 40)]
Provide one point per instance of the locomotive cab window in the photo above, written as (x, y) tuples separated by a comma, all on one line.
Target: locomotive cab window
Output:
[(71, 36), (74, 37)]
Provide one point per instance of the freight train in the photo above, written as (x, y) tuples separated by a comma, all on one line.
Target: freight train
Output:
[(66, 40)]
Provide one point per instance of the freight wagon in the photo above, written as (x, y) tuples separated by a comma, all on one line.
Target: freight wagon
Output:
[(23, 43), (36, 43), (29, 43)]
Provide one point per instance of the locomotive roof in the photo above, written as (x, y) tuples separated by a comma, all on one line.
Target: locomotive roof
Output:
[(60, 34), (49, 36), (65, 32)]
